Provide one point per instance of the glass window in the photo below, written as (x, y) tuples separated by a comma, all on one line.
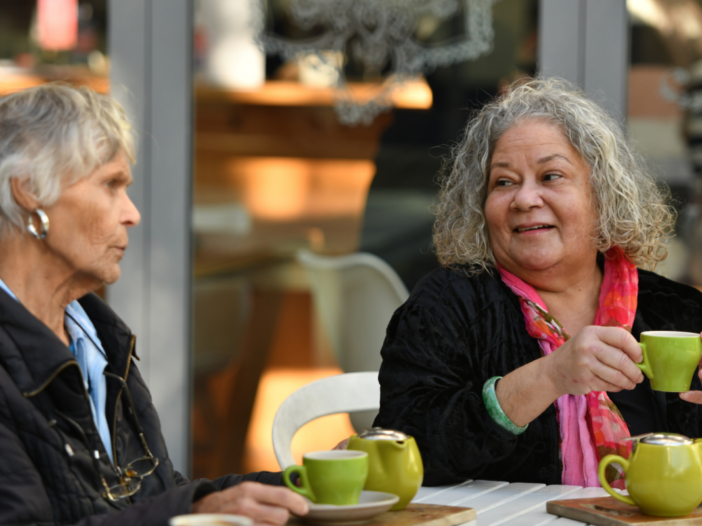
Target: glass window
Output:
[(285, 160), (664, 116), (60, 40)]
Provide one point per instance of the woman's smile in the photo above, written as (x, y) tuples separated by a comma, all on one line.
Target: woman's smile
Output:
[(534, 229)]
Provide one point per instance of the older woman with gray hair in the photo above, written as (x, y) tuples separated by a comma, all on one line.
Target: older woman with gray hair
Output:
[(516, 360), (80, 441)]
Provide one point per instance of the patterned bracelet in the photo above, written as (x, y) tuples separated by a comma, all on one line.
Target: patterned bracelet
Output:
[(494, 409)]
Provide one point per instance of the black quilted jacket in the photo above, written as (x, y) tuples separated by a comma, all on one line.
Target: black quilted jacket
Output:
[(454, 333), (47, 434)]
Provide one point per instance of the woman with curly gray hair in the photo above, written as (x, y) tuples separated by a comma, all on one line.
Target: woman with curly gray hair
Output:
[(517, 360), (80, 440)]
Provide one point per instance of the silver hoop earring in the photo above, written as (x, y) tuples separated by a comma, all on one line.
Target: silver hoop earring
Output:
[(44, 224)]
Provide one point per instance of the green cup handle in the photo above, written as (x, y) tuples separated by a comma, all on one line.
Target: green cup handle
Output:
[(305, 490), (645, 366), (603, 480)]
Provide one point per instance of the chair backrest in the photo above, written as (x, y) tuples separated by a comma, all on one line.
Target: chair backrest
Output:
[(345, 393), (355, 296)]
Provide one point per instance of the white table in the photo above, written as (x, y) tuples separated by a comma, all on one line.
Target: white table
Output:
[(516, 504)]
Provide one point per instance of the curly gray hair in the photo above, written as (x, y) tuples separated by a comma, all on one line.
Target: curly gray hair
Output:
[(53, 135), (633, 211)]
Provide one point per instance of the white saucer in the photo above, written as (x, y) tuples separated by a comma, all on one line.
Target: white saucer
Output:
[(370, 504)]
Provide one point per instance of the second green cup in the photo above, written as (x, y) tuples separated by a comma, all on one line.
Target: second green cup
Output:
[(670, 359), (330, 477)]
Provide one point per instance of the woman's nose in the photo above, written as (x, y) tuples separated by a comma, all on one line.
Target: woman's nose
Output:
[(130, 215), (527, 197)]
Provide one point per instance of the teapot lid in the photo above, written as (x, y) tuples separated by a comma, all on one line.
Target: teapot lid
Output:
[(378, 433), (665, 439)]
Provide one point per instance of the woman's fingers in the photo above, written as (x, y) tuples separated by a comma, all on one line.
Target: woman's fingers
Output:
[(692, 396), (623, 371), (278, 496), (619, 352), (260, 513), (263, 503), (623, 340), (342, 444), (597, 359), (610, 379)]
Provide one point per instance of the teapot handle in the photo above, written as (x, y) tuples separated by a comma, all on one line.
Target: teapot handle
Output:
[(603, 480)]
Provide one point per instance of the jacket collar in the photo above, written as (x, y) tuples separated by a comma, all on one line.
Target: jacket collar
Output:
[(114, 334), (33, 355)]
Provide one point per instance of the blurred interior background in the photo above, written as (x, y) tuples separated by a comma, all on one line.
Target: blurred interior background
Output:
[(325, 130)]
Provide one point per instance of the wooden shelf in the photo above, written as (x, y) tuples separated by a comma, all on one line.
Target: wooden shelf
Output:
[(414, 94), (16, 80)]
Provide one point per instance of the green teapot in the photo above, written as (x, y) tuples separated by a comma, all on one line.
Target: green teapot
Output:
[(394, 463), (663, 474)]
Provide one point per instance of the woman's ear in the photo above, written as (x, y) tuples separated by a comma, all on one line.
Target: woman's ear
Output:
[(22, 192)]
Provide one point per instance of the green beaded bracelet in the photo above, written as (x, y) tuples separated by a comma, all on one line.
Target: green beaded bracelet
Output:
[(494, 409)]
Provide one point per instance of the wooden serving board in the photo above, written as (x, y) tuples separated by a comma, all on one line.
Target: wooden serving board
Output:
[(608, 511), (419, 514)]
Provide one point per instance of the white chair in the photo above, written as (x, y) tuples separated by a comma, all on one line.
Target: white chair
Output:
[(355, 296), (344, 393)]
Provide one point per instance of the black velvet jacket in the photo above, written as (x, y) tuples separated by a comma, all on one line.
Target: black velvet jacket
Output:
[(455, 332)]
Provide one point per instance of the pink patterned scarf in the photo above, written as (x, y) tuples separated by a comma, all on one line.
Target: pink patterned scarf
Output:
[(591, 426)]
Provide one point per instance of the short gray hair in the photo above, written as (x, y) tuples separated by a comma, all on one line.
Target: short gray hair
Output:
[(53, 135), (633, 212)]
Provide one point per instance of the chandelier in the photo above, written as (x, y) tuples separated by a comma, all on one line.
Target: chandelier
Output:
[(381, 35)]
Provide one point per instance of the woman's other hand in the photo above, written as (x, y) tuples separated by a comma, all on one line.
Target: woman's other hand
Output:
[(342, 444), (694, 396), (596, 359), (266, 505)]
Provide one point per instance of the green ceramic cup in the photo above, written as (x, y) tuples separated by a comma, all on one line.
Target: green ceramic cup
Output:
[(670, 359), (330, 477)]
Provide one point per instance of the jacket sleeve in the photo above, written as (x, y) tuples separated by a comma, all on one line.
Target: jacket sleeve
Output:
[(434, 367), (264, 477), (227, 481), (176, 501), (155, 511)]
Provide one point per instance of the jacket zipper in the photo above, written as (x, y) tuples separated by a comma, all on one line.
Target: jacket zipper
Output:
[(85, 393), (86, 396), (119, 395), (43, 386)]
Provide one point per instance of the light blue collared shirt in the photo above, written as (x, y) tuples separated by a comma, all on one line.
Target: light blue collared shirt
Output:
[(87, 348)]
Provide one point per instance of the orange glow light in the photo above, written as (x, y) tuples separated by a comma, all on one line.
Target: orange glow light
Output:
[(286, 188), (413, 94), (321, 434)]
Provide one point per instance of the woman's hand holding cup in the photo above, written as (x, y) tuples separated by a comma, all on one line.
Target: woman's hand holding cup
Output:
[(610, 359), (596, 359)]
